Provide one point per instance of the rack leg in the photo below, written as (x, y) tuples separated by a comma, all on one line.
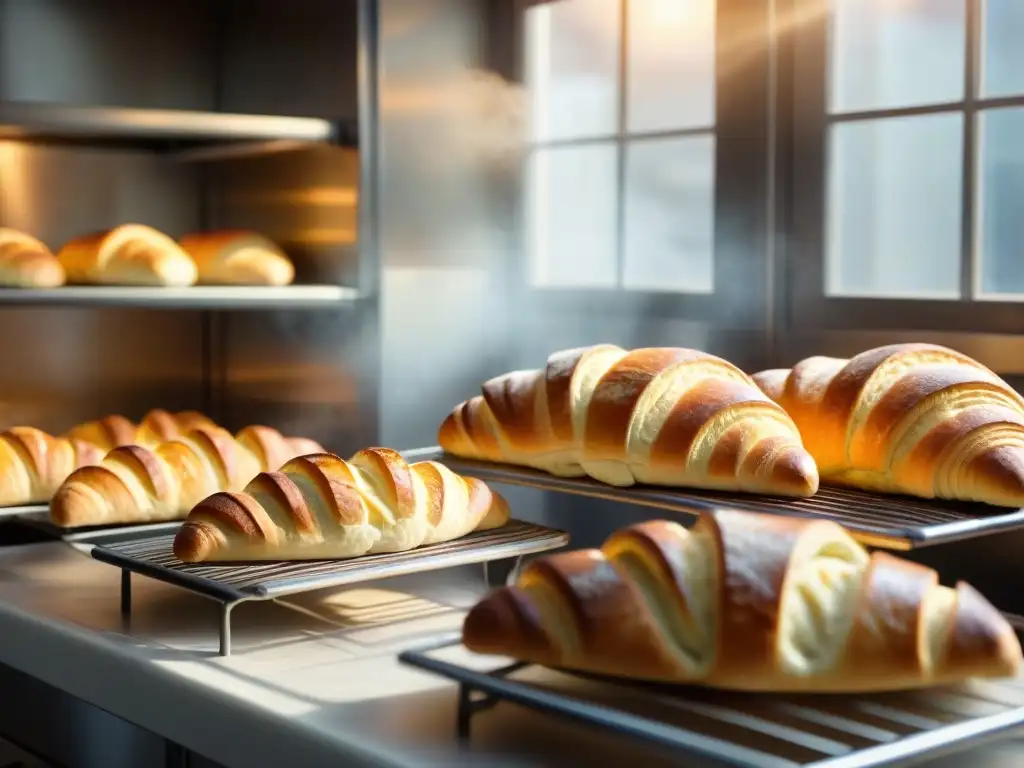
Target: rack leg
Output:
[(126, 592), (225, 628), (465, 714)]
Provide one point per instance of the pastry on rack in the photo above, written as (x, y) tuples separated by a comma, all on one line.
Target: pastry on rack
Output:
[(909, 418), (132, 254), (26, 262), (156, 427), (664, 416), (234, 257), (322, 507), (33, 464), (133, 484), (745, 601)]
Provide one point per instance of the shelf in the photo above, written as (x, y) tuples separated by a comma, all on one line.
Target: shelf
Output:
[(199, 297), (154, 128), (891, 522)]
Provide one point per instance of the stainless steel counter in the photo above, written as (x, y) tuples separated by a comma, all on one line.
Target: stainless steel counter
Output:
[(314, 679)]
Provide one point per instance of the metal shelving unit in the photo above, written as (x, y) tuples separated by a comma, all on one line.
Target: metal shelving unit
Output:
[(891, 522), (738, 730), (197, 297), (233, 583), (154, 128)]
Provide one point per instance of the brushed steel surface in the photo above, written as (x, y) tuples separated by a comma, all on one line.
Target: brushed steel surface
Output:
[(323, 297)]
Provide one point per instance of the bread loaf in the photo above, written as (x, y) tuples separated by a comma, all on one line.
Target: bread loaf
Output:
[(26, 263), (238, 258), (321, 507), (131, 254), (745, 601), (134, 484), (157, 426), (909, 418), (666, 416), (33, 464)]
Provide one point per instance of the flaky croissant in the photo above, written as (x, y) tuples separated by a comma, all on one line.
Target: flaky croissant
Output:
[(909, 418), (133, 484), (33, 464), (156, 427), (664, 416), (322, 507), (745, 601)]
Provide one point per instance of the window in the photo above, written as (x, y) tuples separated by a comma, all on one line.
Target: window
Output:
[(924, 169), (620, 183)]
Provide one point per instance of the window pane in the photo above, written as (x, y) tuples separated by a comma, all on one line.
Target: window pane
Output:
[(1001, 201), (671, 65), (670, 214), (887, 54), (572, 66), (895, 207), (1003, 52), (570, 216)]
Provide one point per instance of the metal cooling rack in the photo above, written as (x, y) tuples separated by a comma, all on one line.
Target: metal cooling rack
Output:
[(724, 728), (23, 509), (892, 522), (234, 583), (42, 522)]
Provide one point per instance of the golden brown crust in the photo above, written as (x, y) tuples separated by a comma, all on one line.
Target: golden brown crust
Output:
[(320, 506), (238, 257), (26, 262), (908, 418), (132, 254), (662, 416), (745, 601)]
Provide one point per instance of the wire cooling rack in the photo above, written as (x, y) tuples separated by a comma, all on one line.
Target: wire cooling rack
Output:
[(891, 522), (233, 583), (737, 730)]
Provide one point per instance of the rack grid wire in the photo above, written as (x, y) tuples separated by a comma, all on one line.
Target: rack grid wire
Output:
[(890, 522), (233, 583), (738, 730)]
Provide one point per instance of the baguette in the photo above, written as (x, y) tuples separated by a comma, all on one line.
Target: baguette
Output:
[(745, 601), (134, 484), (26, 263), (319, 507), (673, 417), (132, 254), (238, 258), (33, 464), (915, 419)]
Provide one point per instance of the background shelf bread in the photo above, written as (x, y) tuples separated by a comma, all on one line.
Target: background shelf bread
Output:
[(891, 522), (157, 129), (325, 297)]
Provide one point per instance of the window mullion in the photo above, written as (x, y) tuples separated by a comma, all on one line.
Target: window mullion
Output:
[(620, 144), (972, 83)]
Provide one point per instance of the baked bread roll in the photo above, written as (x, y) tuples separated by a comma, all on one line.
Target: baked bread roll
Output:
[(33, 464), (666, 416), (909, 418), (321, 507), (238, 258), (745, 601), (26, 263), (133, 484), (132, 254), (156, 427)]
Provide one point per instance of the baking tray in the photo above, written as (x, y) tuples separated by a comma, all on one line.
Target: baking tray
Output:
[(723, 728), (233, 583), (890, 522)]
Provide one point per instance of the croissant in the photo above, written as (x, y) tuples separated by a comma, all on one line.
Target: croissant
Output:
[(134, 484), (132, 254), (745, 601), (238, 258), (156, 427), (673, 417), (26, 263), (33, 464), (910, 418), (320, 506)]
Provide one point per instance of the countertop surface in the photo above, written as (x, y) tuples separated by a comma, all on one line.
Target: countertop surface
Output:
[(313, 679)]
